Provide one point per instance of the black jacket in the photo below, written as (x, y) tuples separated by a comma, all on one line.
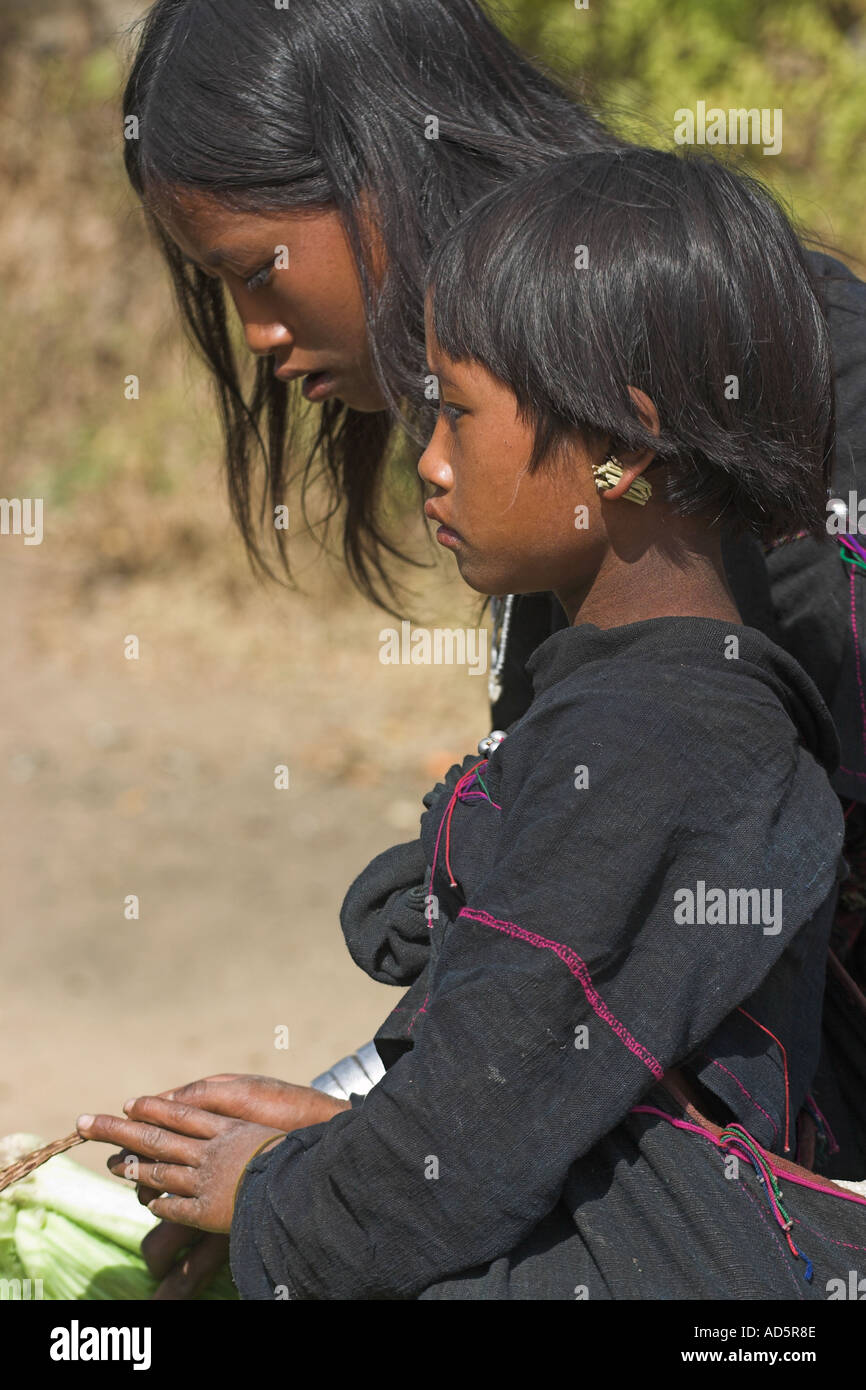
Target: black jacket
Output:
[(562, 959)]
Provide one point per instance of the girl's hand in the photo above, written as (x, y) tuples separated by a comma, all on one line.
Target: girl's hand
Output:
[(182, 1277), (195, 1158), (262, 1099)]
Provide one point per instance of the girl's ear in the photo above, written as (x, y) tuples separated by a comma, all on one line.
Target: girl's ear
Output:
[(634, 461)]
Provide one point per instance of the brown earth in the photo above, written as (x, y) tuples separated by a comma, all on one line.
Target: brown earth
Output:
[(155, 777)]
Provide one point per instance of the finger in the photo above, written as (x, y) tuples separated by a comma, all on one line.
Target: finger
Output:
[(125, 1165), (161, 1144), (165, 1177), (176, 1091), (195, 1271), (261, 1099), (183, 1119), (186, 1211), (128, 1165), (163, 1244), (219, 1095)]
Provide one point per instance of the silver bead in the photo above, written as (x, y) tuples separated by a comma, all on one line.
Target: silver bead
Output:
[(493, 740)]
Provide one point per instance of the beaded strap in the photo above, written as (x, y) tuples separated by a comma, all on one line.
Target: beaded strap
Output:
[(35, 1159)]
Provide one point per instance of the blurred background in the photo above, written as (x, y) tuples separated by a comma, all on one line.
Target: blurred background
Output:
[(155, 777)]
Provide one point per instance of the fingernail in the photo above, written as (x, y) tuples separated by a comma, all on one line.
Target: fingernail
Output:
[(84, 1122), (128, 1104)]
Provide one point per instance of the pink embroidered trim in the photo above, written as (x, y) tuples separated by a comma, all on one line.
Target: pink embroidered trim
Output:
[(579, 970), (857, 659), (422, 1010), (748, 1096), (828, 1188), (845, 1244)]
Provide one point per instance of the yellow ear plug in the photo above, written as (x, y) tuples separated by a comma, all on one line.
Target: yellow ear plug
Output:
[(608, 474)]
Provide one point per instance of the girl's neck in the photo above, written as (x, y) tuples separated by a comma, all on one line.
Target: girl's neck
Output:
[(683, 581)]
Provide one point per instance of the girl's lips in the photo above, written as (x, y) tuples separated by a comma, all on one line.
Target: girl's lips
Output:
[(445, 536), (317, 386)]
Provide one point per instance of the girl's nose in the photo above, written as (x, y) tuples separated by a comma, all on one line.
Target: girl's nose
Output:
[(263, 339), (434, 465)]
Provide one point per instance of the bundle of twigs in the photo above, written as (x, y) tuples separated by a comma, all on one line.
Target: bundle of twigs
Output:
[(20, 1169)]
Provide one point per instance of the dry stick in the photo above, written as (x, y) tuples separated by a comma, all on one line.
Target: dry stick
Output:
[(16, 1171)]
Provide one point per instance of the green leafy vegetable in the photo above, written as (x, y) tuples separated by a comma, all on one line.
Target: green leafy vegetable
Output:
[(74, 1234)]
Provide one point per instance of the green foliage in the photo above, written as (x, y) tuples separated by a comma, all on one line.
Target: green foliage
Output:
[(641, 62)]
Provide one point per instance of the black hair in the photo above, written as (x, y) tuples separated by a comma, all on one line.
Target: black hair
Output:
[(310, 106), (695, 290)]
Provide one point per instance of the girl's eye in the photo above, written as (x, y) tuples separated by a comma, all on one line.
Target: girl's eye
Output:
[(260, 279), (451, 412)]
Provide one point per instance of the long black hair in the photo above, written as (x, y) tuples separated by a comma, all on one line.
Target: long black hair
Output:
[(675, 274), (314, 105)]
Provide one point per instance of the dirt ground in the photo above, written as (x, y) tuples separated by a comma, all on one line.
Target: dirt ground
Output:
[(155, 777)]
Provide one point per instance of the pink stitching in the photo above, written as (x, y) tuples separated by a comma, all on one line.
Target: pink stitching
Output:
[(741, 1184), (846, 1244), (579, 970), (857, 658), (422, 1010), (850, 772), (818, 1187), (825, 1186), (775, 1238), (745, 1093)]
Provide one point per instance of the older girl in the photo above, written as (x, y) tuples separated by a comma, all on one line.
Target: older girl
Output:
[(602, 1075)]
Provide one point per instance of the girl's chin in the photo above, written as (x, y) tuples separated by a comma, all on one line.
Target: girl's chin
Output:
[(483, 581), (363, 396)]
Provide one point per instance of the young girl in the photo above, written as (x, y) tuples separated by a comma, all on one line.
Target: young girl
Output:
[(353, 135), (602, 1077)]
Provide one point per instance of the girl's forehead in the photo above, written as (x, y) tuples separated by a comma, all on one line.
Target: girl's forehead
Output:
[(196, 214), (196, 223), (197, 220)]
